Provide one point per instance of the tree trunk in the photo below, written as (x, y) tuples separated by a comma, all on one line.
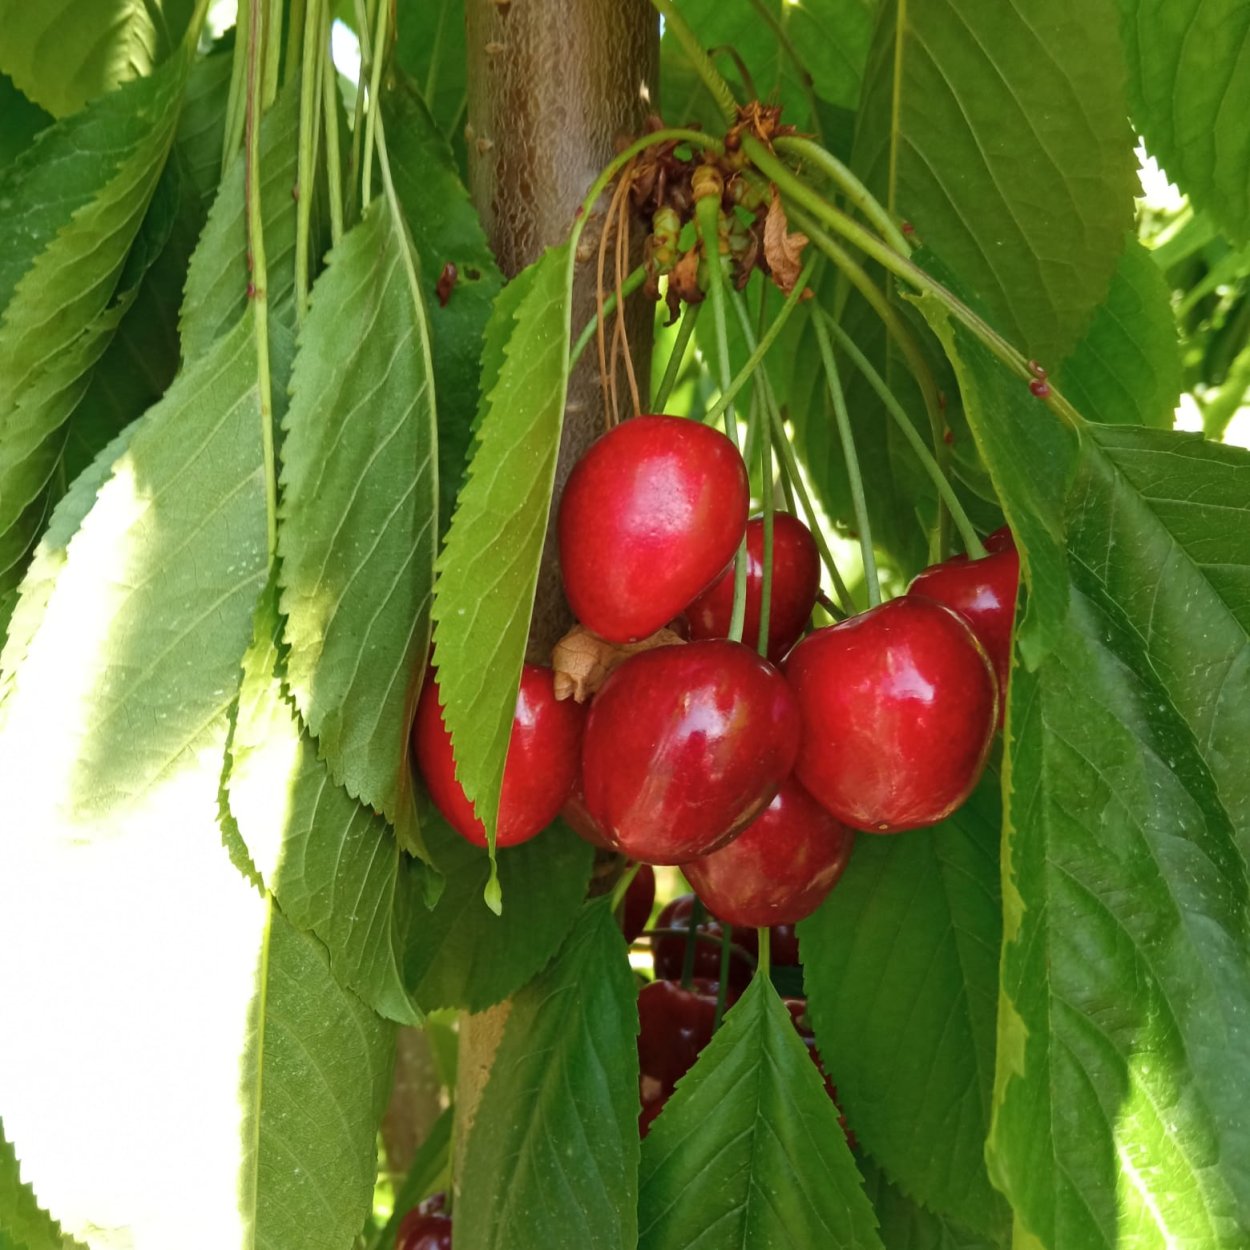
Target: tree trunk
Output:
[(553, 87)]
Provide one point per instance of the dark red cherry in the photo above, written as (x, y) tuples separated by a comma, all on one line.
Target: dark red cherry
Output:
[(650, 516), (685, 746), (779, 868), (424, 1230), (983, 592), (653, 1096), (796, 579), (575, 815), (898, 708), (674, 1024), (541, 766), (669, 950), (638, 901), (783, 946)]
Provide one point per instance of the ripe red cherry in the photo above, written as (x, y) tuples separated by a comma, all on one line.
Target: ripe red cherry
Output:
[(898, 708), (650, 516), (538, 775), (796, 579), (685, 746), (639, 899), (779, 868), (425, 1227), (983, 592), (674, 1024), (669, 951)]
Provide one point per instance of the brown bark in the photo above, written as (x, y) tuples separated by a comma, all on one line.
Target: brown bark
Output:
[(553, 86)]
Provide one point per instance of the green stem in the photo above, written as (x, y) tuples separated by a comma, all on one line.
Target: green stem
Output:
[(255, 49), (941, 482), (722, 985), (236, 99), (764, 965), (273, 51), (690, 314), (717, 87), (849, 453), (330, 110), (353, 165), (902, 267), (376, 55), (309, 102), (850, 186), (770, 337), (296, 27), (622, 886), (631, 284), (766, 587), (697, 912)]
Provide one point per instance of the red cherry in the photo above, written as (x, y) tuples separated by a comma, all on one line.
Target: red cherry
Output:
[(783, 946), (651, 515), (983, 592), (424, 1230), (575, 815), (639, 899), (898, 708), (685, 746), (779, 868), (796, 580), (669, 951), (539, 772), (674, 1025)]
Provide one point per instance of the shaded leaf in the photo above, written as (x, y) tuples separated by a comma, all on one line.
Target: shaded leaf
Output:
[(62, 53), (1121, 1111), (429, 1168), (488, 569), (430, 46), (901, 971), (459, 952), (24, 1225), (1189, 76), (445, 230), (23, 120), (332, 864), (1127, 367), (748, 1151), (552, 1157), (358, 516), (1002, 134), (907, 1226)]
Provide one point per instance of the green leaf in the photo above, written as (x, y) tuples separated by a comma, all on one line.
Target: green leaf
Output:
[(901, 969), (62, 53), (429, 1168), (908, 1226), (1030, 455), (1002, 134), (488, 570), (430, 46), (1189, 75), (23, 120), (1127, 368), (552, 1157), (76, 199), (24, 1224), (1122, 1100), (445, 230), (358, 517), (748, 1151), (459, 952), (331, 863)]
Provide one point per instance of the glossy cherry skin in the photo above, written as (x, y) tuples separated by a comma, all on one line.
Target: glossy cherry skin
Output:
[(685, 746), (780, 868), (539, 772), (983, 592), (668, 951), (425, 1227), (796, 580), (674, 1024), (639, 899), (650, 516), (898, 708)]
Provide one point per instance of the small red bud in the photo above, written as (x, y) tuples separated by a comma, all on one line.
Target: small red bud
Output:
[(251, 290), (949, 438), (1040, 387), (908, 228), (1036, 369)]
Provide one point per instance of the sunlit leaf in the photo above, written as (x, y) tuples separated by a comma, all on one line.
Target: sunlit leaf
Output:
[(24, 1225)]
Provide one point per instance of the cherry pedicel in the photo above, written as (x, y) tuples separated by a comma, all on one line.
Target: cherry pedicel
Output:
[(650, 517), (669, 950), (796, 581), (539, 771), (983, 592), (685, 746), (638, 901), (898, 708), (780, 868)]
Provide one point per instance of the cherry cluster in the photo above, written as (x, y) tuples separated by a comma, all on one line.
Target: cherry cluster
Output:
[(676, 1017), (426, 1227), (749, 771)]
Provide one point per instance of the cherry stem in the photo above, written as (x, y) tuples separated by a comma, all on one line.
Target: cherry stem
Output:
[(830, 607), (363, 25), (377, 56), (677, 356), (972, 543), (722, 986), (766, 588), (717, 87), (768, 338), (855, 479), (764, 965), (740, 951), (791, 466), (306, 167), (697, 913), (628, 287), (622, 886), (330, 110), (707, 218)]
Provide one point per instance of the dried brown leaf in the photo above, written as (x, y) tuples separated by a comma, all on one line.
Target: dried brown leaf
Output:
[(582, 660), (783, 249)]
